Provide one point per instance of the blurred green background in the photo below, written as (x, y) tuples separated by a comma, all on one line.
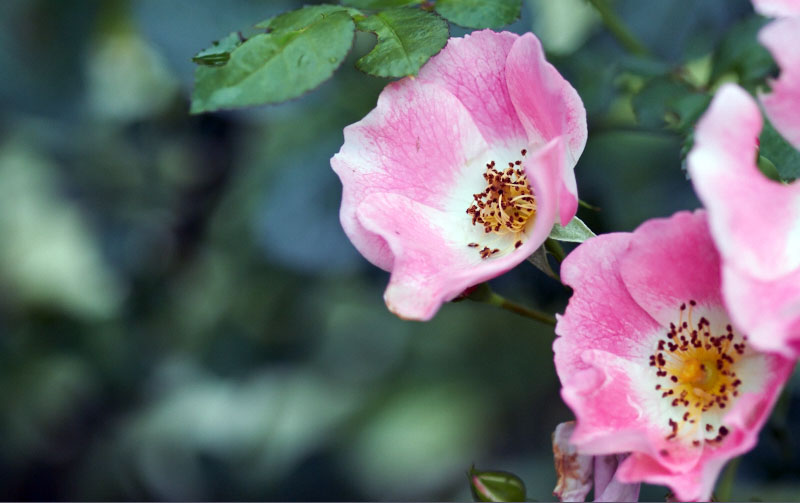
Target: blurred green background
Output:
[(181, 316)]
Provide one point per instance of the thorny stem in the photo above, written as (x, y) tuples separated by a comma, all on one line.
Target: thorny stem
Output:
[(617, 28), (483, 293)]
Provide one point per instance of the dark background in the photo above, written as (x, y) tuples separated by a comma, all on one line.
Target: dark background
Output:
[(181, 316)]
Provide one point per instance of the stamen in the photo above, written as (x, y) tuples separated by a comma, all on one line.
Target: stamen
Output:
[(697, 373), (505, 206)]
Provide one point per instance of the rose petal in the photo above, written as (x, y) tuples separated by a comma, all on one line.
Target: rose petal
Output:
[(432, 263), (601, 313), (548, 107), (417, 142), (473, 70), (670, 262), (755, 221), (782, 38), (769, 311)]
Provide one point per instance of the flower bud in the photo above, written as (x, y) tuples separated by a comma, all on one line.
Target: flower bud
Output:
[(495, 486)]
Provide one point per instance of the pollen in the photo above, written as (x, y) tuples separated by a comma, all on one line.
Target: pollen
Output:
[(507, 204), (696, 373)]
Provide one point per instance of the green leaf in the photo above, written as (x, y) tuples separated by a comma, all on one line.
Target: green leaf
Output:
[(779, 152), (540, 261), (220, 51), (480, 13), (495, 486), (302, 51), (742, 54), (655, 99), (407, 38), (300, 18), (685, 110), (575, 232), (380, 4)]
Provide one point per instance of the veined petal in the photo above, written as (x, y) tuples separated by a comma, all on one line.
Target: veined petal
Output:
[(548, 106), (417, 141), (782, 38), (546, 103), (755, 221), (601, 313), (425, 253), (432, 263), (473, 69), (661, 247)]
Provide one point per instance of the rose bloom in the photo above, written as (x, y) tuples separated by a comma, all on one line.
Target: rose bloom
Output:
[(650, 362), (459, 174), (755, 222)]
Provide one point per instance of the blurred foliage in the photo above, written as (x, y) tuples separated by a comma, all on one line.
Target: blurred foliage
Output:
[(181, 316)]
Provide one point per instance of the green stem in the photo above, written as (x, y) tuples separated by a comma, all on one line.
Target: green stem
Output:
[(725, 486), (483, 293), (502, 302), (555, 249), (617, 28), (584, 204)]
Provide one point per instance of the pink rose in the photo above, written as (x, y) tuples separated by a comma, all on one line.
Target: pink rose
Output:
[(650, 362), (459, 174)]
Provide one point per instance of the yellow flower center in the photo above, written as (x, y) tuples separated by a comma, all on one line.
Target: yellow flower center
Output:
[(697, 370), (506, 205)]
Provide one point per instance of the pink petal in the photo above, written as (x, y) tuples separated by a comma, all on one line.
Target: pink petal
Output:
[(423, 256), (601, 313), (777, 8), (431, 262), (671, 262), (416, 142), (755, 221), (695, 484), (611, 402), (745, 420), (548, 107), (782, 38), (547, 104), (769, 311), (473, 70)]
